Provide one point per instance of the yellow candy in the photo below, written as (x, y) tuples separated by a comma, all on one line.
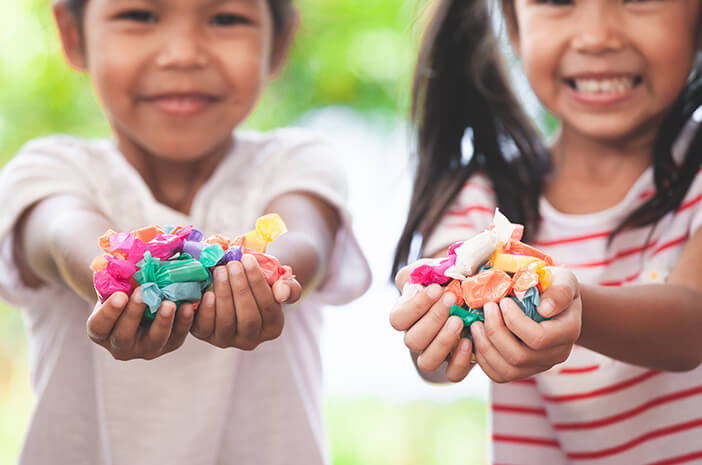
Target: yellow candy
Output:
[(544, 277), (270, 226), (512, 263), (255, 242)]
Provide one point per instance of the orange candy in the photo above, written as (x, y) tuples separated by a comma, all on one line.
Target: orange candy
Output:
[(454, 287), (489, 286), (148, 233), (221, 240), (517, 247), (526, 278)]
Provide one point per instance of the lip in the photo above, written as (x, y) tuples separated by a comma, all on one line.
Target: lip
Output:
[(602, 99), (181, 103)]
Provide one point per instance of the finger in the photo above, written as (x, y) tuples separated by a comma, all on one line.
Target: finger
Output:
[(105, 316), (411, 307), (225, 316), (248, 317), (563, 289), (422, 333), (460, 363), (269, 309), (502, 337), (564, 328), (489, 358), (403, 275), (287, 291), (158, 333), (124, 335), (441, 346), (204, 320), (182, 324)]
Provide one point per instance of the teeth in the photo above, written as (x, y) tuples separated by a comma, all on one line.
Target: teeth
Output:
[(604, 86)]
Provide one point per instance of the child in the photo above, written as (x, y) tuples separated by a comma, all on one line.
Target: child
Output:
[(176, 78), (617, 202)]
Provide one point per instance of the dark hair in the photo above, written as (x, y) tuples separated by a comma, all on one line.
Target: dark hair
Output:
[(460, 82), (672, 180), (280, 10)]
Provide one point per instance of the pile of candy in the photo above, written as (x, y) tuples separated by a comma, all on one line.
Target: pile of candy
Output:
[(490, 266), (175, 263)]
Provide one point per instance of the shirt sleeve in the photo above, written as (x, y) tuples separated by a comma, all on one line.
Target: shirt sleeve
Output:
[(309, 164), (469, 214), (42, 168)]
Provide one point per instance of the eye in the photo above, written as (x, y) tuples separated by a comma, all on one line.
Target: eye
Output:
[(228, 19), (138, 16), (556, 2)]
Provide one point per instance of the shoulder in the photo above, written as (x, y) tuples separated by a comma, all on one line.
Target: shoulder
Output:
[(60, 150)]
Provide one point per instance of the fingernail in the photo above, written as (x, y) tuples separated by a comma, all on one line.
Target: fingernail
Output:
[(235, 267), (449, 299), (547, 307), (119, 300), (410, 290), (454, 324), (434, 292), (476, 329), (166, 311), (248, 261), (286, 294), (464, 346), (220, 273)]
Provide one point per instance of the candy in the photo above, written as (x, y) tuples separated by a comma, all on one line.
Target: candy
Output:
[(491, 266), (175, 263)]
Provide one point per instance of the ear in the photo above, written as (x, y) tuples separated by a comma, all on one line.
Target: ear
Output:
[(70, 33), (282, 43)]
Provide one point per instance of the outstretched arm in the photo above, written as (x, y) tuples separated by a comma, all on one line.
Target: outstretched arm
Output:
[(56, 240), (656, 325), (243, 311)]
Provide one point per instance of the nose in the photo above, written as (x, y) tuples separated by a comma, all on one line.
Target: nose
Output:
[(182, 49), (596, 29)]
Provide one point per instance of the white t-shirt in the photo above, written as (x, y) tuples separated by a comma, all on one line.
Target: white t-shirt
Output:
[(592, 409), (198, 404)]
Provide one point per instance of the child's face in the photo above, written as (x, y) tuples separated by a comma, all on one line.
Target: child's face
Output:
[(608, 69), (176, 76)]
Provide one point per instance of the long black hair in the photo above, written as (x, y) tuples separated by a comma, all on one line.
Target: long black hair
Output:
[(461, 82)]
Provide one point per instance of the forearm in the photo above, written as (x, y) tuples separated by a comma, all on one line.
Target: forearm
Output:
[(656, 326), (58, 241), (308, 260)]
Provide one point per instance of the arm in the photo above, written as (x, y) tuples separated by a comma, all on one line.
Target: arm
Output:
[(243, 311), (655, 325), (56, 242)]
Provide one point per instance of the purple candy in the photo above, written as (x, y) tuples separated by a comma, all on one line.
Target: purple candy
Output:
[(195, 235), (234, 253), (194, 248)]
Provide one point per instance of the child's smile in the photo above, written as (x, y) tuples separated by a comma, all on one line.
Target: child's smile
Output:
[(607, 68), (194, 71)]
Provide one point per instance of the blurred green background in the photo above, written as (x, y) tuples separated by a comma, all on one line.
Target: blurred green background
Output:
[(355, 53)]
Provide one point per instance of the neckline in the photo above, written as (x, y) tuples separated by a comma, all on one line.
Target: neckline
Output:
[(602, 216)]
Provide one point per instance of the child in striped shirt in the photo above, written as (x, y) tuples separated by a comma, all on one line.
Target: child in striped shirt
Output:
[(616, 199)]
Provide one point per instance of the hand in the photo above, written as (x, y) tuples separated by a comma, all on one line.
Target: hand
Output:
[(512, 346), (243, 311), (116, 325), (423, 314)]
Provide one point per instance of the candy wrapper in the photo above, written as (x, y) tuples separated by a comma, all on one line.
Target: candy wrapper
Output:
[(175, 263), (487, 268)]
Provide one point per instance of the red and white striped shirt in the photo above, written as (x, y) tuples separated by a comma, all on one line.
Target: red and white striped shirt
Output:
[(591, 409)]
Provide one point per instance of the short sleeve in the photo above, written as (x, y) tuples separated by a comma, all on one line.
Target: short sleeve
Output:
[(306, 163), (42, 168), (469, 214)]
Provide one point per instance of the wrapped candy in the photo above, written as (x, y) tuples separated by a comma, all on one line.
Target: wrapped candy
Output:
[(175, 263), (491, 266)]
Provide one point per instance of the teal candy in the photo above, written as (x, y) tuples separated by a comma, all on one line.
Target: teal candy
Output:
[(528, 304), (211, 255)]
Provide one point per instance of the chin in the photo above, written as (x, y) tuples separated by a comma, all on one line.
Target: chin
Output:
[(179, 149)]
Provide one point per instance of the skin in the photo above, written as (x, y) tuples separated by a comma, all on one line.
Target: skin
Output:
[(600, 151), (194, 71)]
